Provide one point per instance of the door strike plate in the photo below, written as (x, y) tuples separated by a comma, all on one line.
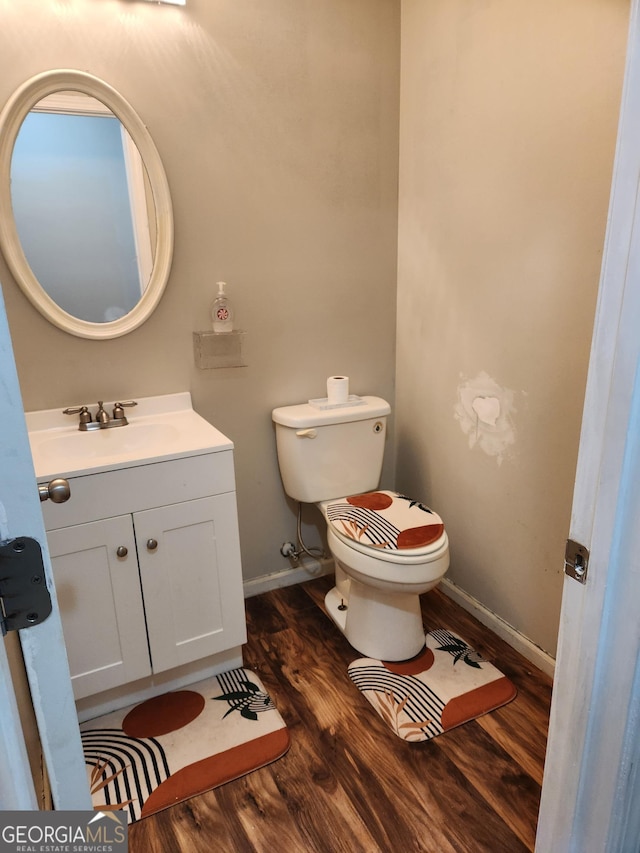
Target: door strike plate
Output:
[(24, 597), (576, 561)]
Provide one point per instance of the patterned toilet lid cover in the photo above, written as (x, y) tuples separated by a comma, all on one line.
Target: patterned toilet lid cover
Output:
[(385, 520)]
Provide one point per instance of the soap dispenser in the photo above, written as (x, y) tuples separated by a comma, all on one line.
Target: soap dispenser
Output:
[(221, 311)]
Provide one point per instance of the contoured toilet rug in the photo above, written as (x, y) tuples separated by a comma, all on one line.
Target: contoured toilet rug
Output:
[(152, 755), (444, 686)]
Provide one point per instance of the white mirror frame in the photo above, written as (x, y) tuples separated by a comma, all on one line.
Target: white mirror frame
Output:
[(11, 118)]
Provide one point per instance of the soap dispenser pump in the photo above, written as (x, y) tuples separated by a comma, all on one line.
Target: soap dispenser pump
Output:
[(221, 311)]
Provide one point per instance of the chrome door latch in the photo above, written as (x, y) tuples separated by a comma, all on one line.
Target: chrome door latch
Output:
[(576, 561), (24, 597)]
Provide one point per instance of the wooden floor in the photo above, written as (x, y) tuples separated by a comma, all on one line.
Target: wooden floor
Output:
[(349, 784)]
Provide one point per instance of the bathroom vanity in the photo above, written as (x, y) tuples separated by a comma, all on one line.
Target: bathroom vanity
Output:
[(145, 553)]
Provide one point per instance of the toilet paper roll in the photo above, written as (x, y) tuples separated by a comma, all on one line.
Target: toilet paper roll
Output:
[(337, 389)]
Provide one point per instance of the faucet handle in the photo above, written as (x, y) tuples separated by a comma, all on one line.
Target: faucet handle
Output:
[(83, 411), (118, 412)]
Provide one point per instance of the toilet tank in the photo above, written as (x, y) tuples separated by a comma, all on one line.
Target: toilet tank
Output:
[(332, 452)]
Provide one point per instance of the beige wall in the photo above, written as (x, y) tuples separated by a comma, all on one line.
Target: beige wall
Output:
[(508, 123), (277, 122)]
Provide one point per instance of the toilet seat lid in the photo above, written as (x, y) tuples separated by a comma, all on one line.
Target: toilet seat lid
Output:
[(386, 521)]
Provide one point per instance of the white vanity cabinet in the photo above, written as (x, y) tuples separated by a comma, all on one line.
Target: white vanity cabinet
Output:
[(146, 562)]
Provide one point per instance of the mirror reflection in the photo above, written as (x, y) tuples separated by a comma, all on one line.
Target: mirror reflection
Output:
[(76, 188), (82, 207)]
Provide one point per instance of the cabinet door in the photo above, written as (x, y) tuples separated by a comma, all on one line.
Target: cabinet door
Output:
[(192, 579), (100, 604)]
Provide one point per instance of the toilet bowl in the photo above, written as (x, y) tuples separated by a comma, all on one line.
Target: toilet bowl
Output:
[(387, 548), (376, 599)]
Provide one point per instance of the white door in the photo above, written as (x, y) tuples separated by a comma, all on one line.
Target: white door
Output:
[(589, 777), (42, 645), (16, 785)]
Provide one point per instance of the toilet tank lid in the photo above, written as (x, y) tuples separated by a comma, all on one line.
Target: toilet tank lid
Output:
[(305, 415)]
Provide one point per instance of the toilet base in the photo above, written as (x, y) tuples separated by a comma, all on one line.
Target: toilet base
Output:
[(379, 624)]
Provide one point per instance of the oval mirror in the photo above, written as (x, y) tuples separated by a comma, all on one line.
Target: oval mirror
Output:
[(89, 237)]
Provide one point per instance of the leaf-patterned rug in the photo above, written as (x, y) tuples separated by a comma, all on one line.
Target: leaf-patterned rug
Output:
[(172, 747), (447, 684)]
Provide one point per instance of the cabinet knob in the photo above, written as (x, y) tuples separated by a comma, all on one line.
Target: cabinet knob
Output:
[(152, 544), (122, 551), (57, 490)]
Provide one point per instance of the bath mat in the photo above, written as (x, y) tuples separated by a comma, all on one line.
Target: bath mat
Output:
[(172, 747), (444, 686)]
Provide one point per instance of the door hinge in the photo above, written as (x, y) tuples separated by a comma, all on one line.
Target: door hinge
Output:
[(24, 597), (576, 561)]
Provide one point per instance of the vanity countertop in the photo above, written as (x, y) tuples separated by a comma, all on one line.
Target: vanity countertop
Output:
[(160, 428)]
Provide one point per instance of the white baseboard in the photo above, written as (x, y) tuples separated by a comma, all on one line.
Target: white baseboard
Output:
[(288, 577), (508, 633)]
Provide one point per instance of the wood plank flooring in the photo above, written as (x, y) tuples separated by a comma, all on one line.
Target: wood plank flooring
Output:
[(348, 783)]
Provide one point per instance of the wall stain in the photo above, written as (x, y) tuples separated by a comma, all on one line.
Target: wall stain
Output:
[(484, 411)]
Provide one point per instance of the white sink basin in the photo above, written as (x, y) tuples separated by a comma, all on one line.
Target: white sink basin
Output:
[(159, 428), (98, 444)]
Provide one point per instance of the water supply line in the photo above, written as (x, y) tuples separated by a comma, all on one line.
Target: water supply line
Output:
[(288, 549)]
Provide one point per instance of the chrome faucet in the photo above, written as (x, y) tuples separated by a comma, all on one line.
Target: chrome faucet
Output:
[(103, 419)]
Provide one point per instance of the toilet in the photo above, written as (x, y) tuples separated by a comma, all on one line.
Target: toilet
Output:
[(388, 549)]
